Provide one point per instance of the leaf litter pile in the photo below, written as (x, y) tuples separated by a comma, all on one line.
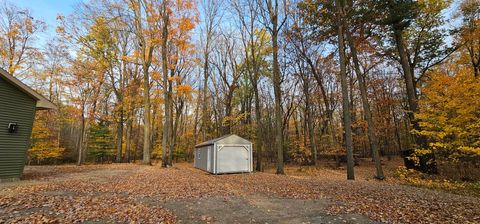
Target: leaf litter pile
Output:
[(133, 193)]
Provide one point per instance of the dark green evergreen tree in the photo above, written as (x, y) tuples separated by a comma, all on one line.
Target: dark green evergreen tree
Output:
[(101, 145)]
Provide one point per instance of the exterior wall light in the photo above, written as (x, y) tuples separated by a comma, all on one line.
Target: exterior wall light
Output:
[(12, 127)]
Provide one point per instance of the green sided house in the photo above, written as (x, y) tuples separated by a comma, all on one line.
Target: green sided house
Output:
[(18, 104)]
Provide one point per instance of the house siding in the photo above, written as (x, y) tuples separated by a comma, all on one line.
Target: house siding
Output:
[(17, 107)]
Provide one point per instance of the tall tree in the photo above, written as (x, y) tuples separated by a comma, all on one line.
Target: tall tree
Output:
[(312, 36), (228, 69), (470, 32), (307, 92), (256, 47), (18, 31), (347, 118), (166, 84), (101, 43), (146, 16), (211, 19), (179, 19), (274, 23), (418, 41), (372, 138)]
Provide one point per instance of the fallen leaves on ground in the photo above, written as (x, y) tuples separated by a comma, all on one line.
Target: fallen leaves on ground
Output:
[(131, 193), (382, 201)]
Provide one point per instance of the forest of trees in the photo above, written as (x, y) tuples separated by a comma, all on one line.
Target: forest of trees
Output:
[(137, 80)]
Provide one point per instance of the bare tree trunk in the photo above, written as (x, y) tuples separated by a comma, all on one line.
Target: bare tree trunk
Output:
[(258, 118), (278, 103), (347, 122), (204, 97), (128, 140), (410, 85), (328, 110), (166, 84), (146, 52), (173, 130), (147, 116), (248, 17), (272, 10), (170, 131), (372, 138), (407, 73), (227, 128), (120, 135), (81, 139), (310, 123), (195, 126), (420, 140), (397, 128)]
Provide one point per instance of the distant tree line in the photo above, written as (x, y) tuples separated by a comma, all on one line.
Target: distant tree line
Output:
[(303, 79)]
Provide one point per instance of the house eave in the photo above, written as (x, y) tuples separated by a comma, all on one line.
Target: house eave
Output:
[(46, 105), (42, 102)]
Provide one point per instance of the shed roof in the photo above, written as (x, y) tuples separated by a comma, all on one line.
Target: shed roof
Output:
[(231, 138), (42, 102)]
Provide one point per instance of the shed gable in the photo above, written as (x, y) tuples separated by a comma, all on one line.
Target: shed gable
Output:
[(233, 139), (226, 139)]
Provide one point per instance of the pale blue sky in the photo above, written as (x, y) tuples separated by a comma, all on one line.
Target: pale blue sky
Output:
[(46, 10)]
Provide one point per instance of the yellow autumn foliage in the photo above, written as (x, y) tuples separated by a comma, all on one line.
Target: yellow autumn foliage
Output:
[(450, 111), (43, 144)]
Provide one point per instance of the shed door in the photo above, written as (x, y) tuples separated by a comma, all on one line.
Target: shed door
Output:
[(232, 159)]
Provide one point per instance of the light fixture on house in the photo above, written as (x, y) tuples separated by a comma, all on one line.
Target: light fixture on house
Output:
[(12, 127)]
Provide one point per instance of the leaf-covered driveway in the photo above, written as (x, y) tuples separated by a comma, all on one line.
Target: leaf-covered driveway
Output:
[(125, 193)]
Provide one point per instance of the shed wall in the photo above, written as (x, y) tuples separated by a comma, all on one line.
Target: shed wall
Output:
[(201, 158), (17, 107)]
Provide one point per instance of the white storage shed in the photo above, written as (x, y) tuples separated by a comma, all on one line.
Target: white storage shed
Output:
[(227, 154)]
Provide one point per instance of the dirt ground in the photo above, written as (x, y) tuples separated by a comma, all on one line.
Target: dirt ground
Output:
[(122, 193)]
